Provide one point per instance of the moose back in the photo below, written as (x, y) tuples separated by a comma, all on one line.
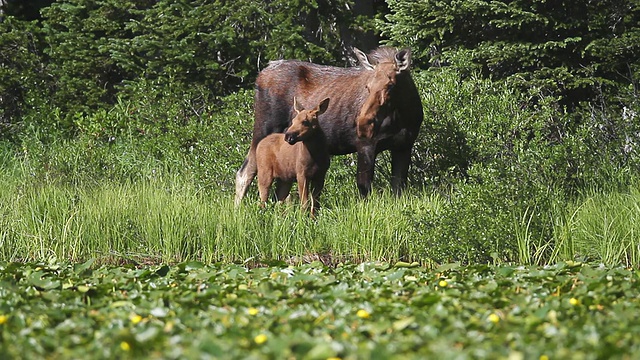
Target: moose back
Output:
[(374, 107)]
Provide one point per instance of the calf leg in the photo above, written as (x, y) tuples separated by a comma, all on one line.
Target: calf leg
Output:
[(245, 175), (264, 183), (400, 161), (316, 189), (303, 191)]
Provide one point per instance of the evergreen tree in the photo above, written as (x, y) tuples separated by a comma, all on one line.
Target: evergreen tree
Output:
[(21, 71), (97, 49), (575, 49)]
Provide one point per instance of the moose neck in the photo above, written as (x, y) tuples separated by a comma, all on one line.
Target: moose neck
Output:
[(317, 143)]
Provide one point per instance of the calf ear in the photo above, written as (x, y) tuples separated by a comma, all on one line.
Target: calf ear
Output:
[(363, 59), (323, 106), (403, 59)]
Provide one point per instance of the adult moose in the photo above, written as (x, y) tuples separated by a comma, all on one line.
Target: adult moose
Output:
[(374, 107)]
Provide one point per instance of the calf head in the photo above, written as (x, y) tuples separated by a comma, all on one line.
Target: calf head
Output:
[(305, 122), (380, 90)]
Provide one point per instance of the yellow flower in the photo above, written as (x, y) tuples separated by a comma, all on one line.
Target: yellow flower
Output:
[(3, 319), (574, 301), (334, 358), (136, 319), (168, 326), (253, 311), (125, 346), (260, 339), (443, 283), (494, 318), (544, 357), (363, 314)]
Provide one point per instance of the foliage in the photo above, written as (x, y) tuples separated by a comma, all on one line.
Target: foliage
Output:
[(21, 70), (608, 139), (119, 97), (222, 47), (160, 129), (507, 161), (23, 10), (191, 310), (578, 49), (79, 34), (489, 155), (97, 52), (602, 227)]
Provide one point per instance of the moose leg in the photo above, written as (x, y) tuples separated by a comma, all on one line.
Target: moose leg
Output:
[(282, 189), (366, 162), (400, 161), (245, 175)]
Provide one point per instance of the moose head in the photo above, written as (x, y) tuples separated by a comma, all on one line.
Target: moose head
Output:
[(380, 89), (305, 122)]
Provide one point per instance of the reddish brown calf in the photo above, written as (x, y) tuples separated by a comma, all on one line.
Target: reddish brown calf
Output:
[(300, 155)]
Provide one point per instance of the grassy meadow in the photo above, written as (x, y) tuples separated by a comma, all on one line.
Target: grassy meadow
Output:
[(152, 180), (170, 219)]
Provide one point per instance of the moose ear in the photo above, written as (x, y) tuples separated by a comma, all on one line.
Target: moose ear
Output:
[(323, 106), (296, 106), (363, 59), (403, 59)]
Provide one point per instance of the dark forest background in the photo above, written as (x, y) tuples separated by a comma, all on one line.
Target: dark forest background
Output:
[(83, 55)]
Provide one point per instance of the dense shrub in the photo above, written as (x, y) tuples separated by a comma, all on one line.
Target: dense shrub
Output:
[(81, 56), (21, 72), (578, 50), (160, 132), (505, 161)]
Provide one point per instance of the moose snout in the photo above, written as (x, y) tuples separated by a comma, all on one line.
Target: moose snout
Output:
[(291, 138)]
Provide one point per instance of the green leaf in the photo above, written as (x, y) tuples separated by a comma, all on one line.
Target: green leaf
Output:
[(36, 279), (81, 268), (193, 265), (447, 267), (402, 324)]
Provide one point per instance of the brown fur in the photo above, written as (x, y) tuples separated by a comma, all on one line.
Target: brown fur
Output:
[(298, 155), (374, 107)]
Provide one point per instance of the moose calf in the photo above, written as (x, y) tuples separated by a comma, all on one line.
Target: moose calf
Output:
[(300, 155)]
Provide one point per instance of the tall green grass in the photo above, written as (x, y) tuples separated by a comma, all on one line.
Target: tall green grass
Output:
[(601, 227), (170, 219), (145, 210)]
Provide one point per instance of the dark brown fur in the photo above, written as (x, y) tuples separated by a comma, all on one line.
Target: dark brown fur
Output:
[(298, 155), (374, 107)]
